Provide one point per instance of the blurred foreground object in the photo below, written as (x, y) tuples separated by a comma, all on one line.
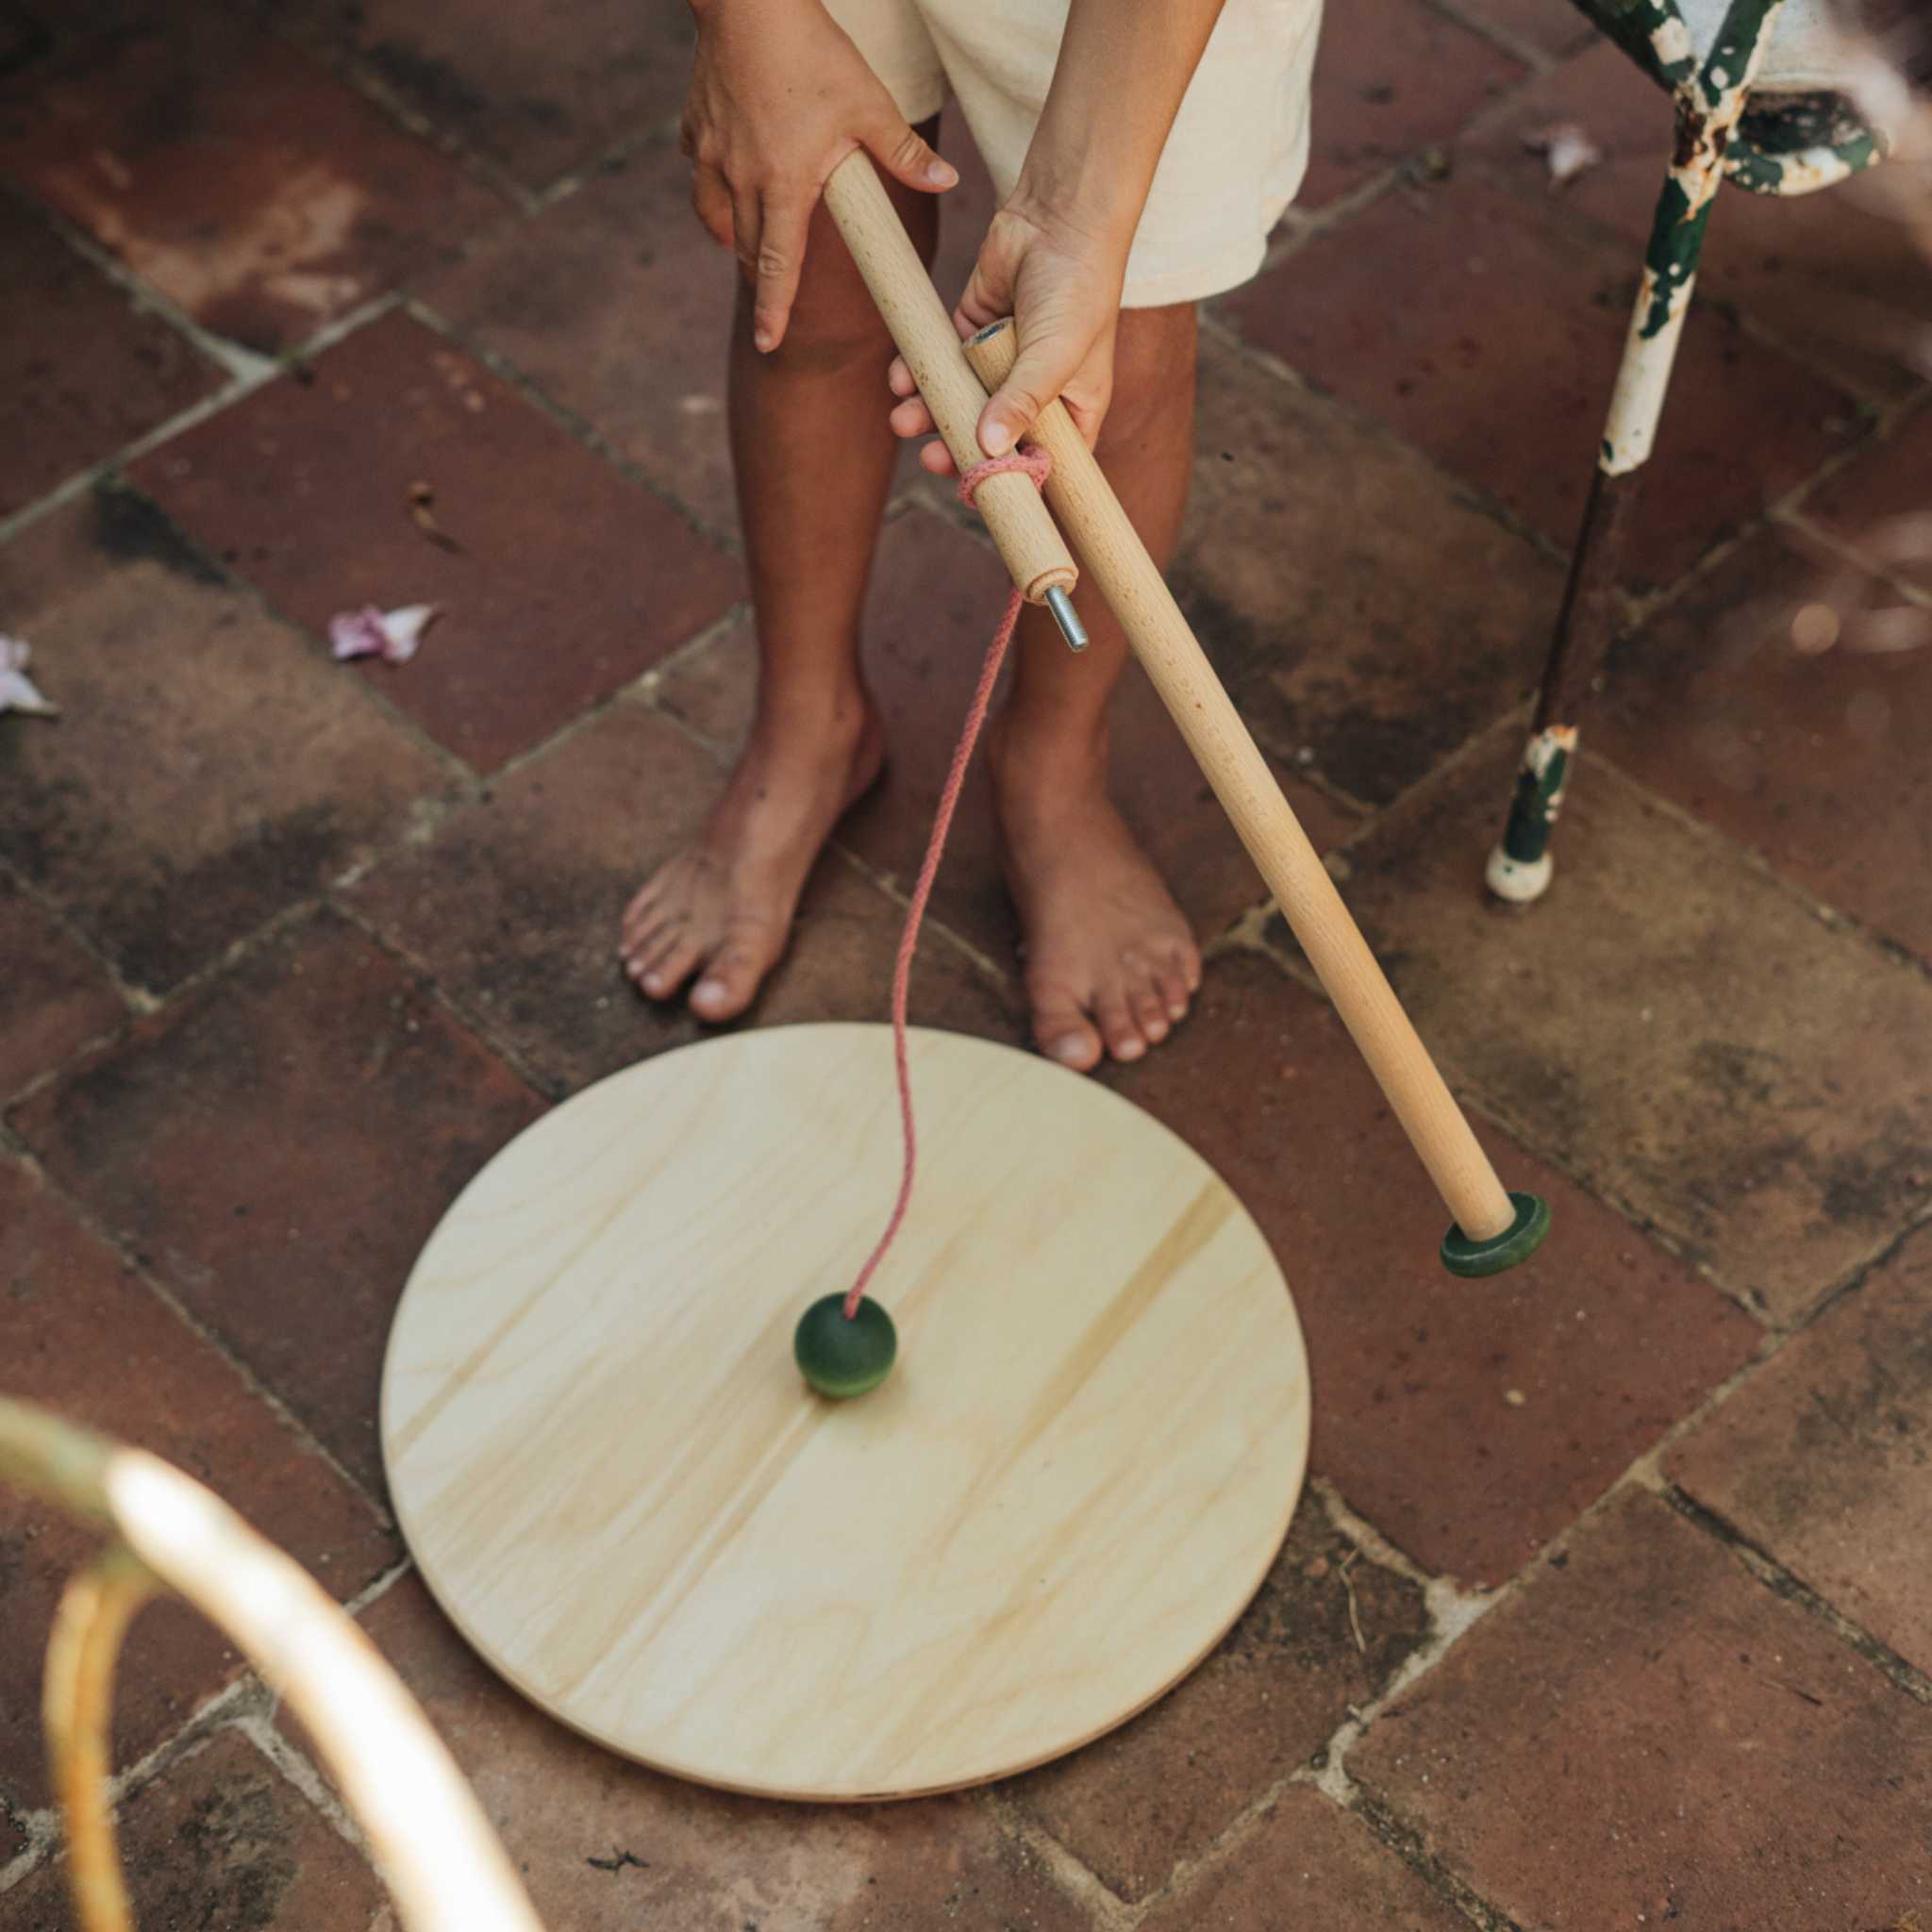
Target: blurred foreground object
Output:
[(165, 1533)]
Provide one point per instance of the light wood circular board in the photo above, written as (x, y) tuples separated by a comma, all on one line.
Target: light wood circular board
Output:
[(621, 1491)]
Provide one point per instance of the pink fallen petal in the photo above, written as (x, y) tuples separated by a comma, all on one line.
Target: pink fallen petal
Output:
[(391, 635), (1566, 149), (18, 692)]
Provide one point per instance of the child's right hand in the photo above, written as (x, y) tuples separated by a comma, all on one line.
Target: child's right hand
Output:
[(779, 96)]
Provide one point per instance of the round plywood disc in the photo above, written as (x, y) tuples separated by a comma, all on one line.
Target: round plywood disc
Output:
[(619, 1489)]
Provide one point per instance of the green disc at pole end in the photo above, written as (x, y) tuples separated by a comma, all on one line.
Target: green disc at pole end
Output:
[(1517, 1243)]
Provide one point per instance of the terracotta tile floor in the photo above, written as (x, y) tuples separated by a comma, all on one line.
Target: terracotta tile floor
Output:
[(1605, 1606)]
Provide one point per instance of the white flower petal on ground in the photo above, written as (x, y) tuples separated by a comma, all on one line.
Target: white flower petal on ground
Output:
[(1566, 149), (18, 692), (391, 635)]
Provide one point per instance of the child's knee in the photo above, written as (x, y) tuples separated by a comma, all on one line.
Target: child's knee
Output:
[(1154, 354), (835, 324)]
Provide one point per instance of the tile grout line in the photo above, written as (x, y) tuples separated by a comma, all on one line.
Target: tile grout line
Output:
[(1791, 1587), (132, 1261), (1846, 554), (131, 997), (1070, 1876), (541, 1087), (243, 365), (1250, 935), (346, 67), (46, 1840), (263, 371), (580, 428), (1539, 59), (1355, 418), (296, 1768), (639, 693), (1644, 1473)]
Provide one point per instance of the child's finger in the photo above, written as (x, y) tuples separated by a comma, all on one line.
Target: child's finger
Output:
[(899, 379), (912, 417), (936, 458), (781, 261), (902, 153), (711, 201), (747, 219)]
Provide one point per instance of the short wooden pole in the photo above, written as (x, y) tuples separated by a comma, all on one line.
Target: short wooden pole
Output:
[(1034, 552)]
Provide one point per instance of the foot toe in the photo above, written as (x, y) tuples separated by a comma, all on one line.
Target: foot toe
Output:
[(1149, 1009), (1186, 961), (1064, 1032), (729, 984), (1172, 988), (1123, 1037), (660, 971)]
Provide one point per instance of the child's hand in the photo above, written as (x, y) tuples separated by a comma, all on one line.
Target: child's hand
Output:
[(1062, 288), (779, 96)]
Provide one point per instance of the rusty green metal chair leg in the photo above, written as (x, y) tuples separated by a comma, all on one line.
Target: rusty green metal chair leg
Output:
[(1774, 140)]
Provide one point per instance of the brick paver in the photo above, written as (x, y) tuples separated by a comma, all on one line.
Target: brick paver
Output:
[(1309, 1863), (1820, 1460), (1647, 1733), (1364, 613), (1469, 1421), (86, 1337), (233, 175), (618, 306), (210, 768), (1396, 76), (83, 373), (223, 1839), (557, 580), (1160, 1791), (1884, 484), (1509, 390), (515, 906), (279, 1150), (1669, 1022), (1814, 759), (536, 89), (54, 998)]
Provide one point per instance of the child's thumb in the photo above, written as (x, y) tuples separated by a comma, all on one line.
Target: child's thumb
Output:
[(1032, 383), (904, 155)]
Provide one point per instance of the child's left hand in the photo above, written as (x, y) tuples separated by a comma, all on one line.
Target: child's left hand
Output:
[(1062, 288)]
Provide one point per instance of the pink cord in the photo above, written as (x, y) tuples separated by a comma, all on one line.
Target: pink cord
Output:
[(1034, 463)]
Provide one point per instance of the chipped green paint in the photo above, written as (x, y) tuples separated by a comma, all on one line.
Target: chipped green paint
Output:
[(1652, 32), (1803, 171), (1539, 792), (1709, 107)]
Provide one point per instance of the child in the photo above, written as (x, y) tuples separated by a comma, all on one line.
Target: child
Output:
[(1142, 150)]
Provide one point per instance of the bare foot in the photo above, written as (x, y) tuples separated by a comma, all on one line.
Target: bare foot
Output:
[(1110, 961), (725, 904)]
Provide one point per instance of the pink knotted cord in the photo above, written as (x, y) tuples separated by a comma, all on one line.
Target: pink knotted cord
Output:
[(1034, 463)]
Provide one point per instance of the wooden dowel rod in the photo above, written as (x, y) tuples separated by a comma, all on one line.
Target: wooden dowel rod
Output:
[(1112, 552), (1034, 550)]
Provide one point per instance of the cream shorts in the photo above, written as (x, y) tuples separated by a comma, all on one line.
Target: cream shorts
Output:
[(1231, 165)]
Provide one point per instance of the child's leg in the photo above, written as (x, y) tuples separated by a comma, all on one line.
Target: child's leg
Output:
[(1109, 956), (813, 457)]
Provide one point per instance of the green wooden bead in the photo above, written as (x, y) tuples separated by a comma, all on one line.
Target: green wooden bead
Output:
[(842, 1359)]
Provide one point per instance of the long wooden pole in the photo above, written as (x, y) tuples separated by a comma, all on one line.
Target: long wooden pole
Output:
[(1492, 1229), (1079, 495)]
